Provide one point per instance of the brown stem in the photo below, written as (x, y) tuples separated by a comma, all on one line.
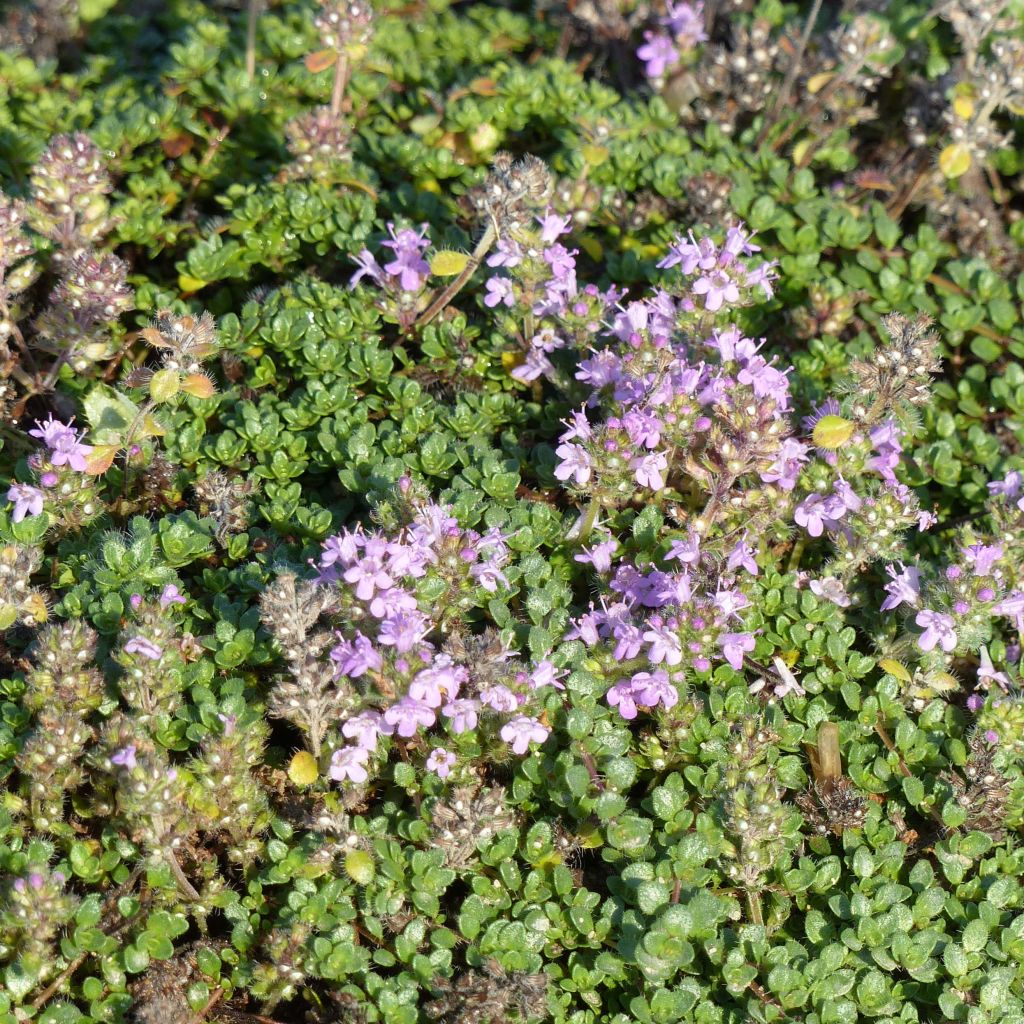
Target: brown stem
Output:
[(55, 985), (902, 765), (179, 876), (211, 151), (794, 69), (215, 998), (340, 77), (250, 40), (488, 239)]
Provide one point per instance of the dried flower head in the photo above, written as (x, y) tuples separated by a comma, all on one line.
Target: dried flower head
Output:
[(512, 193), (896, 378), (70, 184)]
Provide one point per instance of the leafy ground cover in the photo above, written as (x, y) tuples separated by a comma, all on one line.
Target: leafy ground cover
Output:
[(511, 512)]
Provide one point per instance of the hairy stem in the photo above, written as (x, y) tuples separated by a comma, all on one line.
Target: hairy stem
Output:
[(488, 239), (340, 78)]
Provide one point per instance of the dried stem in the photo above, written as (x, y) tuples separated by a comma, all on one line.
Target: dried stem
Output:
[(488, 239), (340, 79), (250, 40)]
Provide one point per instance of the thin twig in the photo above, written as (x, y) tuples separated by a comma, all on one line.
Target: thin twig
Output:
[(486, 241), (794, 68), (56, 984), (218, 994), (250, 40), (340, 78)]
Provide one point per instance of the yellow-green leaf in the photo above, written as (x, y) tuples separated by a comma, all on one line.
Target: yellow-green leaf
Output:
[(894, 668), (955, 160), (832, 432), (448, 263), (164, 385), (303, 770)]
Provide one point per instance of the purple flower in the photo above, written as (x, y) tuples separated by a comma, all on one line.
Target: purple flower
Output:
[(718, 288), (545, 674), (65, 444), (463, 713), (786, 468), (665, 645), (408, 715), (575, 463), (649, 470), (653, 688), (621, 696), (125, 757), (404, 630), (831, 589), (368, 267), (686, 551), (905, 587), (599, 555), (499, 698), (499, 290), (938, 629), (1009, 487), (439, 682), (982, 557), (521, 731), (349, 763), (355, 657), (146, 648), (370, 573), (742, 555), (686, 23), (440, 761), (552, 225), (507, 253), (657, 53), (734, 645), (365, 728), (1013, 607), (28, 501), (560, 260), (170, 595), (408, 265), (811, 514), (987, 671)]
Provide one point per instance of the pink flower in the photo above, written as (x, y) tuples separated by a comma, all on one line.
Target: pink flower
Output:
[(938, 629), (463, 714), (349, 763), (621, 696), (170, 595), (575, 464), (365, 728), (125, 757), (28, 501), (734, 646), (408, 715), (522, 730), (905, 587), (440, 761), (657, 53), (649, 470), (146, 648)]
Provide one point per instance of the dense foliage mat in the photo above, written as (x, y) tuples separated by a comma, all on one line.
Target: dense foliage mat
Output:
[(511, 512)]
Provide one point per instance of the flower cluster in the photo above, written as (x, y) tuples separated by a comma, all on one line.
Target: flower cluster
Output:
[(408, 685), (403, 278), (64, 486), (664, 628), (951, 613), (70, 186), (681, 30)]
